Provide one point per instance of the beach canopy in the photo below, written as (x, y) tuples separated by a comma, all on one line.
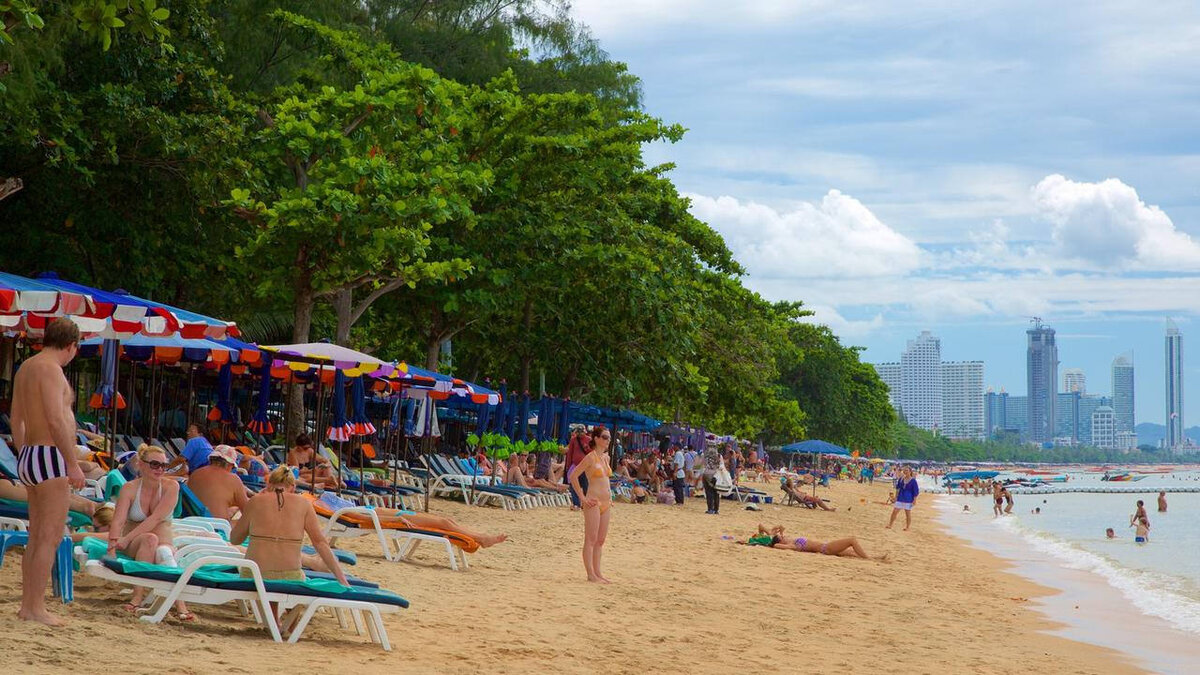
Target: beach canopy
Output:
[(815, 447), (191, 324), (310, 355), (19, 294), (164, 349), (114, 314), (339, 428)]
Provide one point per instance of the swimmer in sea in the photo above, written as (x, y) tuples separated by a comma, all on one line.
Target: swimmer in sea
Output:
[(1142, 533), (1162, 502), (1110, 533)]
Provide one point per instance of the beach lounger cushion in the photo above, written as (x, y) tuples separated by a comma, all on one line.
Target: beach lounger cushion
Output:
[(392, 522), (218, 578), (13, 509)]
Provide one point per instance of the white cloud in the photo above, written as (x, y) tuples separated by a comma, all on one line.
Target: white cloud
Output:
[(838, 237), (840, 325), (1107, 224)]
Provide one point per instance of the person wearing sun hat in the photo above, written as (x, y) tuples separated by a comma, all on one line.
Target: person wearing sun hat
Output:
[(216, 486)]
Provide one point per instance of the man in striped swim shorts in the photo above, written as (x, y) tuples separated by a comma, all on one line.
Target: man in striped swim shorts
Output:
[(42, 422)]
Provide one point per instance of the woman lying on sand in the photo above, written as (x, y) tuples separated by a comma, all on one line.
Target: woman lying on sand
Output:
[(774, 537)]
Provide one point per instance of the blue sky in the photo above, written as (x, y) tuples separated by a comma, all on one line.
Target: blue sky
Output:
[(956, 167)]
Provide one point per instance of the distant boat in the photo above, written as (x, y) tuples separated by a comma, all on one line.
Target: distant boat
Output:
[(1122, 477)]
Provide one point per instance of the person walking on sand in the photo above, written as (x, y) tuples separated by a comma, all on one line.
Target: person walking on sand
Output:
[(43, 427), (596, 500), (997, 499), (906, 496), (1162, 502), (712, 464)]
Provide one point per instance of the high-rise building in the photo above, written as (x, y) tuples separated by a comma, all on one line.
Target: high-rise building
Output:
[(962, 399), (890, 374), (1104, 428), (1041, 377), (1066, 418), (1174, 354), (1016, 410), (1087, 406), (995, 412), (1074, 381), (1122, 393), (921, 382)]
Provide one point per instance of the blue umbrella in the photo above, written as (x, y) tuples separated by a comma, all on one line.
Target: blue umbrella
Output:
[(339, 429), (359, 420), (103, 398), (224, 410), (564, 427), (260, 423), (815, 447), (502, 409), (523, 423)]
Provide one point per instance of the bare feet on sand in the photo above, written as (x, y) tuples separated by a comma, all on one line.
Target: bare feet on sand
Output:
[(41, 617)]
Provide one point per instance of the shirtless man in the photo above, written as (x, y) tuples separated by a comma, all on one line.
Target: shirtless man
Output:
[(42, 423), (1162, 502), (216, 486)]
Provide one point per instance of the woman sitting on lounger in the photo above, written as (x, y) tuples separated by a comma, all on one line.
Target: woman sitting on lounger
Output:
[(789, 487), (775, 538), (141, 526), (276, 520)]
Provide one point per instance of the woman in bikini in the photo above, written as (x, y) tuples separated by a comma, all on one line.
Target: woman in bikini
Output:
[(597, 501), (775, 538), (276, 520), (141, 524)]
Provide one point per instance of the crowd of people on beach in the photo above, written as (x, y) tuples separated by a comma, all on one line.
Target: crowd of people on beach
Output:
[(269, 518)]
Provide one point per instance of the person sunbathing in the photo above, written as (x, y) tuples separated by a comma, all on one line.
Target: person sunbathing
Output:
[(275, 521), (774, 537), (141, 526), (622, 470), (518, 474), (15, 492), (790, 489), (314, 468), (101, 521), (424, 521)]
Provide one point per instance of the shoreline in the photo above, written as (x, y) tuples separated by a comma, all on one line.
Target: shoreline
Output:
[(684, 600), (1084, 604)]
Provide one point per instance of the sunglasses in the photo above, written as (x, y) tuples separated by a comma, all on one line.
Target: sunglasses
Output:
[(155, 464)]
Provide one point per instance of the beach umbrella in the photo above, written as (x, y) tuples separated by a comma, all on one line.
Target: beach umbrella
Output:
[(339, 429), (523, 423), (260, 422), (359, 421), (564, 426), (223, 412)]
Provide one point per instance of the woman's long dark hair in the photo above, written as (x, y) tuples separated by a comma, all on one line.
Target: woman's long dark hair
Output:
[(597, 432)]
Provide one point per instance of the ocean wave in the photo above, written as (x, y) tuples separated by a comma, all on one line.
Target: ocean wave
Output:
[(1152, 593)]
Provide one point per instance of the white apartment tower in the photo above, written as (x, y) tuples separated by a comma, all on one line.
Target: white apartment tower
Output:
[(1104, 423), (921, 382), (962, 399), (890, 374)]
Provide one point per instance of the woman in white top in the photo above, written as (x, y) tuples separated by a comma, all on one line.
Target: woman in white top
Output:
[(141, 527)]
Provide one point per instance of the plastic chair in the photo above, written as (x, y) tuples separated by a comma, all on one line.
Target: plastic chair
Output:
[(62, 574)]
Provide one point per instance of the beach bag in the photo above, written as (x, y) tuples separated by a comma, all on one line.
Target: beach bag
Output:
[(666, 497)]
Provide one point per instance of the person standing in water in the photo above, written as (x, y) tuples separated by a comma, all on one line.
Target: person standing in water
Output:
[(596, 500), (43, 429), (1140, 514), (1162, 502)]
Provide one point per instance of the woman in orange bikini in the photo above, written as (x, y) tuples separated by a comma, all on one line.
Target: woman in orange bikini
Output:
[(597, 501)]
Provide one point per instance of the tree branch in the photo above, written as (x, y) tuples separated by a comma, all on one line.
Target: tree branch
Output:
[(10, 186), (349, 129), (266, 118), (357, 312)]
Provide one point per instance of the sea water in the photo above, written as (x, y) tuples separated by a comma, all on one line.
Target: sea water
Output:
[(1065, 547)]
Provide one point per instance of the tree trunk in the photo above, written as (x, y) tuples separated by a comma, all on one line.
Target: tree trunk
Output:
[(569, 382), (302, 311), (343, 302), (433, 340)]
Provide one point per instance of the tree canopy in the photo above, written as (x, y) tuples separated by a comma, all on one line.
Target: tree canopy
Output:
[(399, 175)]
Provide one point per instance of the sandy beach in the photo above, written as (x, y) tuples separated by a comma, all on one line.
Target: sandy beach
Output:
[(684, 600)]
